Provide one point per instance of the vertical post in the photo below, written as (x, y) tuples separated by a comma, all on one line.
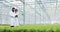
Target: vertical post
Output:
[(23, 11), (56, 6), (35, 11)]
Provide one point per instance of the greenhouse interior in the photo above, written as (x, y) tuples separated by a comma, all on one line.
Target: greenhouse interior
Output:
[(31, 11)]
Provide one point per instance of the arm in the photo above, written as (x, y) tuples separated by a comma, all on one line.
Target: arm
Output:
[(11, 14)]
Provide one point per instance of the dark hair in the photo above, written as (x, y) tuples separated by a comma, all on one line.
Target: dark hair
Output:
[(13, 9)]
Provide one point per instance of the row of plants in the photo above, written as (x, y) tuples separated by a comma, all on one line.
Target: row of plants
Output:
[(31, 28)]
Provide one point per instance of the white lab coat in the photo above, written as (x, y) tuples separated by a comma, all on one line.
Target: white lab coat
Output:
[(13, 20)]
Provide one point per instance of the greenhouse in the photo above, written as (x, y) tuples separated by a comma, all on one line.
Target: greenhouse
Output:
[(31, 11)]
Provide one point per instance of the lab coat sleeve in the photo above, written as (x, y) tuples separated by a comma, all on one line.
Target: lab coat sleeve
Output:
[(12, 14)]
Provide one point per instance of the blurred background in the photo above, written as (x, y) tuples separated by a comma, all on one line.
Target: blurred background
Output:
[(31, 11)]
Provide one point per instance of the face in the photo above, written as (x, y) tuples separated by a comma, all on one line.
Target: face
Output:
[(16, 10)]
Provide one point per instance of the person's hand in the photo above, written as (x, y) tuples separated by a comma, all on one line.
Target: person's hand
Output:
[(16, 15)]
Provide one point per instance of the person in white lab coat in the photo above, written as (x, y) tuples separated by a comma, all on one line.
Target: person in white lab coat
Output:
[(14, 17)]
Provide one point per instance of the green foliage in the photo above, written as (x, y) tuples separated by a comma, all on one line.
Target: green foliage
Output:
[(32, 28)]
